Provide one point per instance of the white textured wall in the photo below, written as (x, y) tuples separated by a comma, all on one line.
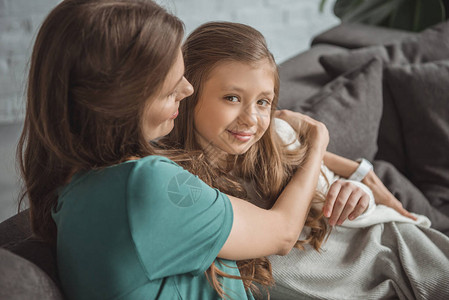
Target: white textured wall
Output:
[(288, 26), (19, 20)]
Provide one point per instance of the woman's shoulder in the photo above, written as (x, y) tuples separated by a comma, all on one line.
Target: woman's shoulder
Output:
[(154, 160), (154, 166), (155, 163), (155, 169)]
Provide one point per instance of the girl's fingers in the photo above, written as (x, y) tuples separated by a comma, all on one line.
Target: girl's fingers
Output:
[(394, 203), (404, 212), (350, 206), (360, 208), (331, 197), (340, 203)]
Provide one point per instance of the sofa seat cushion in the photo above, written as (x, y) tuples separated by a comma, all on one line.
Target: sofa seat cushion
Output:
[(410, 196)]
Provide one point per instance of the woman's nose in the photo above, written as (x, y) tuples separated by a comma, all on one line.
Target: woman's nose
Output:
[(187, 89)]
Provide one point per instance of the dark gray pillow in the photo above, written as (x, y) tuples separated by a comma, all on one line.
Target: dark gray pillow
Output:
[(430, 45), (20, 279), (351, 107), (420, 92)]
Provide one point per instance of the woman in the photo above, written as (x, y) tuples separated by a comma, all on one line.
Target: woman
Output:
[(106, 78)]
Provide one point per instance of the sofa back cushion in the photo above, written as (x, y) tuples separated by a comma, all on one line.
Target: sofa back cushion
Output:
[(430, 45), (420, 92), (350, 106)]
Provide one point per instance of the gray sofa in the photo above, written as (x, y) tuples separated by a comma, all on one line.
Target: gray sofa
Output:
[(28, 265)]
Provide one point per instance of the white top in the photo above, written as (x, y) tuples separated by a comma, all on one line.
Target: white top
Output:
[(374, 214)]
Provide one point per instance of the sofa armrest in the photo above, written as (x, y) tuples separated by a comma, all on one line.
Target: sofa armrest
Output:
[(15, 229), (352, 35)]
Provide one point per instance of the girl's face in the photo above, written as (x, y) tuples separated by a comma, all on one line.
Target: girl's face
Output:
[(161, 111), (233, 109)]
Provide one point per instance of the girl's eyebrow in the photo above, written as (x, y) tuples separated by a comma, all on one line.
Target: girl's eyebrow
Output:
[(269, 94), (233, 88)]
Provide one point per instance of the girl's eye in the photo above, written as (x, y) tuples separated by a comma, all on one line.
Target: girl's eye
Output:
[(263, 102), (232, 98)]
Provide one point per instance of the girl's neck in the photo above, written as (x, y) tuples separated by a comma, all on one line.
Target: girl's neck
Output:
[(217, 158)]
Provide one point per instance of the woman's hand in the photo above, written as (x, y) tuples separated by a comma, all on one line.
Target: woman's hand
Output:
[(314, 132), (383, 196), (344, 200)]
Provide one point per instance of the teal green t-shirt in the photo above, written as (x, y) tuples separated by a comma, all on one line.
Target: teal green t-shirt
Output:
[(143, 229)]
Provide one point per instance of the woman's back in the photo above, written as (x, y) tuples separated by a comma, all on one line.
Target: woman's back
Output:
[(144, 228)]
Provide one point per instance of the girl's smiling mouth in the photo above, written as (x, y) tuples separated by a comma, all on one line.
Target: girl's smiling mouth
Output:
[(243, 136)]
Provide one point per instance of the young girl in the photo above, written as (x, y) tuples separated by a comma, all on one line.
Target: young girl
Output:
[(228, 121), (106, 78)]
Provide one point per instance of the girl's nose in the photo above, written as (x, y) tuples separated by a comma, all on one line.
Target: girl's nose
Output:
[(248, 116)]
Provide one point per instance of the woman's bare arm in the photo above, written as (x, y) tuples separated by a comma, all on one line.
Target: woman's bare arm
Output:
[(257, 232)]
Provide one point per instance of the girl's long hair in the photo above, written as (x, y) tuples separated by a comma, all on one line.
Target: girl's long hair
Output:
[(95, 64), (268, 165)]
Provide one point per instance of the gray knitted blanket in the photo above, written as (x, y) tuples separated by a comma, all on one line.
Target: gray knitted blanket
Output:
[(383, 261)]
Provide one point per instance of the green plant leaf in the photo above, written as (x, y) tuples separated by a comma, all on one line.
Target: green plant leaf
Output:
[(402, 16), (322, 3), (417, 15), (413, 15), (369, 11), (342, 7), (431, 12)]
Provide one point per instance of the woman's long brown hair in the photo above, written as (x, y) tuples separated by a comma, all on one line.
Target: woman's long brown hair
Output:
[(268, 165), (95, 64)]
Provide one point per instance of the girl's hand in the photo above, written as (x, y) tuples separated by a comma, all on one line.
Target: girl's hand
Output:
[(383, 196), (344, 200), (315, 132)]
